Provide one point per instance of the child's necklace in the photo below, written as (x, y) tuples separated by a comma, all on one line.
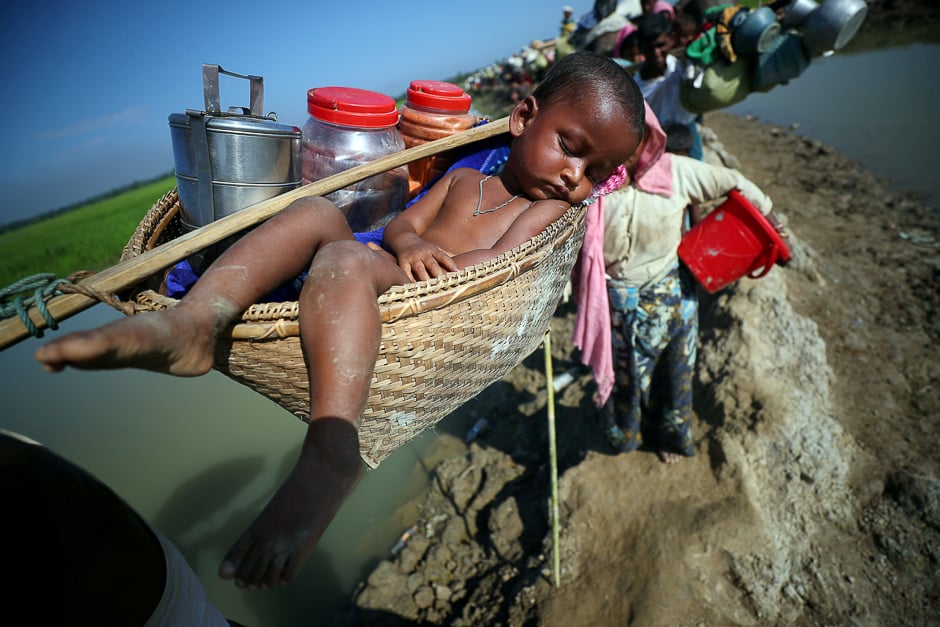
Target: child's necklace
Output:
[(478, 212)]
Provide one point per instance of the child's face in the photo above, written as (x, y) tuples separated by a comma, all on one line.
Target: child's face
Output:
[(562, 150), (683, 34), (655, 52), (631, 51)]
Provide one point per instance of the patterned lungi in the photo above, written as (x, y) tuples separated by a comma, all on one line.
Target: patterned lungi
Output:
[(654, 334)]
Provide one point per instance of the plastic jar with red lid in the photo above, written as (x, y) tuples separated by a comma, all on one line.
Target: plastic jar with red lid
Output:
[(433, 110), (346, 128)]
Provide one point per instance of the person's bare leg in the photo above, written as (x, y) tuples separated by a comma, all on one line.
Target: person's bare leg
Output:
[(340, 332), (181, 340)]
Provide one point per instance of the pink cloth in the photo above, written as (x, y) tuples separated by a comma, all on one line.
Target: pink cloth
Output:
[(625, 32), (611, 183), (592, 334), (653, 170), (661, 6)]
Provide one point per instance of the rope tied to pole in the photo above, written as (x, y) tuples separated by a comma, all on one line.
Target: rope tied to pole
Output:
[(35, 291)]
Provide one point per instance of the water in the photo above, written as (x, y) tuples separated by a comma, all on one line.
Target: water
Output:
[(878, 107), (199, 457)]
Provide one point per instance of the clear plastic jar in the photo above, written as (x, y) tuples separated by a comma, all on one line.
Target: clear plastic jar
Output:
[(433, 110), (346, 128)]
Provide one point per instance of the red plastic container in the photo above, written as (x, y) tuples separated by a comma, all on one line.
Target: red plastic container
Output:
[(733, 241)]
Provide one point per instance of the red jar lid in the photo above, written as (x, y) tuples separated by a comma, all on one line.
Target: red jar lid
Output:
[(349, 106), (438, 95)]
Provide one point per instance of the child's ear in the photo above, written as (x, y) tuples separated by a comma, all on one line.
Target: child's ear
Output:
[(523, 113)]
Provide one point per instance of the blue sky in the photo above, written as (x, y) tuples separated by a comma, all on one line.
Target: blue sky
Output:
[(88, 86)]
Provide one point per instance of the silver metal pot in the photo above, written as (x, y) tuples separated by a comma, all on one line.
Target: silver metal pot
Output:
[(785, 60), (227, 161), (756, 32), (796, 14), (832, 25)]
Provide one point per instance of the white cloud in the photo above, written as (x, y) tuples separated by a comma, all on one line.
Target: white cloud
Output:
[(101, 123)]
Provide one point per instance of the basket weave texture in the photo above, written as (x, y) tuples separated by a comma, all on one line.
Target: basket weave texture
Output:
[(443, 341)]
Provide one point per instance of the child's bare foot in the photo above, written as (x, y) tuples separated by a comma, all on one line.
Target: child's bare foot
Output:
[(668, 457), (169, 341), (277, 543)]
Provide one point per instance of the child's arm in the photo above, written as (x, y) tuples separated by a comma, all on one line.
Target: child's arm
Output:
[(420, 259), (704, 182), (530, 223), (695, 213)]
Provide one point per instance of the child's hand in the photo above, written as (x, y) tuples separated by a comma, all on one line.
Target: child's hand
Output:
[(422, 261), (785, 234)]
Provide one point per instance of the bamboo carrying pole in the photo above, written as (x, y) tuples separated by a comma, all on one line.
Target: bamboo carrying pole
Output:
[(553, 455), (132, 271)]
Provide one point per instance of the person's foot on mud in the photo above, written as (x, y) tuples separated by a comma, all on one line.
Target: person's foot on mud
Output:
[(668, 457), (168, 341), (275, 546)]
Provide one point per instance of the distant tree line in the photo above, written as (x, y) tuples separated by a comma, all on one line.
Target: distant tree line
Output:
[(12, 226)]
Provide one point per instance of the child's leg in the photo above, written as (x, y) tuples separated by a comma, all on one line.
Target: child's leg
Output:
[(623, 411), (674, 376), (673, 400), (340, 332), (181, 340)]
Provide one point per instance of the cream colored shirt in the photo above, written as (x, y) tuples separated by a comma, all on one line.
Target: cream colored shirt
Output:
[(642, 230)]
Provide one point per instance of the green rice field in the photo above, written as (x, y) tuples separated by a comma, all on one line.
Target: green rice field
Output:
[(90, 237)]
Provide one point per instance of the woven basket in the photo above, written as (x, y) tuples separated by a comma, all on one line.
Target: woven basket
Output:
[(443, 340)]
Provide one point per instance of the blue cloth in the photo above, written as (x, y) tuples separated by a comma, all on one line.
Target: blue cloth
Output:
[(179, 279), (183, 276), (697, 150), (370, 237)]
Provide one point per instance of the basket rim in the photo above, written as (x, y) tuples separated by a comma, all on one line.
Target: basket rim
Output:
[(398, 302)]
